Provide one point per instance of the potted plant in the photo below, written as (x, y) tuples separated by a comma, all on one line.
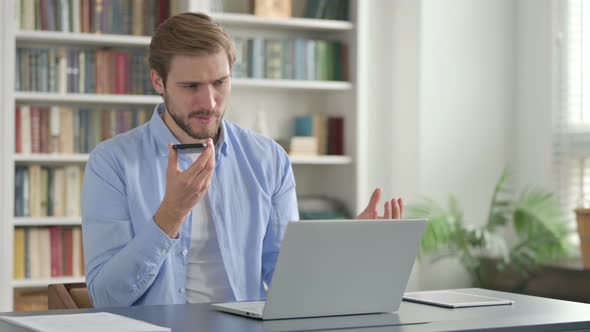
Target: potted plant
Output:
[(534, 216)]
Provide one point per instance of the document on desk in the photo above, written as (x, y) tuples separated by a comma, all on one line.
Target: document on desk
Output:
[(90, 322)]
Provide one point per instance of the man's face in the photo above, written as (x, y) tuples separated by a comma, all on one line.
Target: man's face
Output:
[(196, 93)]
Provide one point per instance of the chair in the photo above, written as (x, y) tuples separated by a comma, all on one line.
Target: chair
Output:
[(68, 296)]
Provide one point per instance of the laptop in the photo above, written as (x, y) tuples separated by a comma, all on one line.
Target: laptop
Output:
[(338, 267)]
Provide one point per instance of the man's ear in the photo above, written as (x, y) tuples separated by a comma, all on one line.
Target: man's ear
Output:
[(157, 81)]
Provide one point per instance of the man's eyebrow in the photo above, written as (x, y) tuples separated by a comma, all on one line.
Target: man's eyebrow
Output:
[(201, 82)]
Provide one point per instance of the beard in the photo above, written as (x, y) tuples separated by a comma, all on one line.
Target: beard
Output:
[(184, 124)]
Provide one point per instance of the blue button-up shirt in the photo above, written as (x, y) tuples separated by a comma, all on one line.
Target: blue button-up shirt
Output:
[(129, 260)]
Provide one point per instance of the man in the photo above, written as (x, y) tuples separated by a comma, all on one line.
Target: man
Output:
[(162, 228)]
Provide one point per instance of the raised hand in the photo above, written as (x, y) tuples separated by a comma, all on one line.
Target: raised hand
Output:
[(392, 209), (184, 189)]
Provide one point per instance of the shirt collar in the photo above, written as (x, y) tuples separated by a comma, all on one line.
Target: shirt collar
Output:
[(163, 136)]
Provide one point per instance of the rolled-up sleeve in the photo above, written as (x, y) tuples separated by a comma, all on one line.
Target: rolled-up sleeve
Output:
[(121, 260)]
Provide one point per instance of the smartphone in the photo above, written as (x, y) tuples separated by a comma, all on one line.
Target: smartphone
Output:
[(189, 148)]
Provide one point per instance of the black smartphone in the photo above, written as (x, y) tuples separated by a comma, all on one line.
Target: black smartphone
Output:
[(189, 148)]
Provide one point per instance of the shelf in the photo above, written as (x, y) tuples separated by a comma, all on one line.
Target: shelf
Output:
[(81, 39), (28, 283), (112, 99), (286, 23), (291, 84), (50, 158), (94, 39), (81, 98), (320, 160), (47, 221)]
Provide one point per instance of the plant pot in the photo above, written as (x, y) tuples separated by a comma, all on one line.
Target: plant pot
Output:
[(583, 220)]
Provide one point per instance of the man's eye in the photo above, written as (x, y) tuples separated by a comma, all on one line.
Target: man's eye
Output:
[(191, 86), (220, 83)]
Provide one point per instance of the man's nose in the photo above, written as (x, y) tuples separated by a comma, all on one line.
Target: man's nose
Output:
[(206, 97)]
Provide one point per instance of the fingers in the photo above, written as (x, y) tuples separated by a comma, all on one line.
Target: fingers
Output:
[(172, 168), (387, 210), (202, 162), (373, 202), (400, 202), (395, 208), (201, 181)]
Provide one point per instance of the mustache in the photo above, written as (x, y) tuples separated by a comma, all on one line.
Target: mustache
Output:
[(203, 113)]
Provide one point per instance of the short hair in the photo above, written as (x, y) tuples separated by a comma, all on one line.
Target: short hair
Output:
[(187, 34)]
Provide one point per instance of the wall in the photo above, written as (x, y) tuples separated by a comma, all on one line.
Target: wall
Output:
[(467, 107), (393, 85), (447, 110), (535, 98)]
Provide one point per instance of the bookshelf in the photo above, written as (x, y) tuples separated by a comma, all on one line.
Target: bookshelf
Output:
[(280, 100)]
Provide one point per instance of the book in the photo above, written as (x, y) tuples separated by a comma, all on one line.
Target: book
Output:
[(44, 129), (33, 249), (18, 148), (35, 129), (44, 191), (34, 190), (44, 252), (59, 192), (272, 8), (77, 252), (67, 251), (335, 135), (72, 184), (19, 253), (54, 132), (320, 132), (18, 191), (303, 146), (66, 136), (56, 243)]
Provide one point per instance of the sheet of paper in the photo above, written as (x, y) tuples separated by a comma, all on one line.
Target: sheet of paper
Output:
[(90, 322)]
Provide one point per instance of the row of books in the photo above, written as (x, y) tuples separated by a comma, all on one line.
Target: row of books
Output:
[(75, 70), (130, 17), (42, 191), (318, 134), (45, 252), (68, 130), (296, 59), (326, 9)]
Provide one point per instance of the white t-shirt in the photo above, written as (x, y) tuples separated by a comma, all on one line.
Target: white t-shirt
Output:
[(206, 278)]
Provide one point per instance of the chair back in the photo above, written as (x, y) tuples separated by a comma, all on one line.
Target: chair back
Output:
[(68, 296)]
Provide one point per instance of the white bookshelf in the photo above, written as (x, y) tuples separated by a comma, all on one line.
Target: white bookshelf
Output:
[(336, 176)]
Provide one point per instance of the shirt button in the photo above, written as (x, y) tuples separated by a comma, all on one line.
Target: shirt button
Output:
[(181, 291), (184, 252), (137, 277), (163, 251)]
